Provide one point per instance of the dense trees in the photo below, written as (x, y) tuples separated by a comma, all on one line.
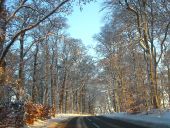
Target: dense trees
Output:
[(16, 19), (133, 43), (40, 63), (23, 21)]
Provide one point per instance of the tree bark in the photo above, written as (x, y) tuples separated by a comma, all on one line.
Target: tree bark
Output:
[(34, 86), (46, 86), (20, 86), (2, 39), (53, 87), (2, 25), (169, 82), (2, 81), (149, 50), (61, 99)]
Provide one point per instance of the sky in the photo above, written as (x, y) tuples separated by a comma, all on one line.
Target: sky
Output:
[(86, 23)]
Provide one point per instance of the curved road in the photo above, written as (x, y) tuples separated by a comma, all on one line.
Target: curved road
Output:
[(100, 122)]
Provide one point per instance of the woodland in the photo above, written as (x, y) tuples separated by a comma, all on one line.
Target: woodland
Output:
[(44, 71)]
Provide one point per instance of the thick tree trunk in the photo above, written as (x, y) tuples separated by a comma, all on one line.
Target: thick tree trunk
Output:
[(76, 101), (117, 104), (2, 39), (153, 83), (147, 45), (66, 102), (2, 25), (72, 101), (20, 86), (54, 78), (47, 71), (61, 99), (34, 86), (83, 99), (2, 72), (2, 81), (52, 81), (53, 88), (21, 64)]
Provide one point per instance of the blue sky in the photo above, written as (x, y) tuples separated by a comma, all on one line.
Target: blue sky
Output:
[(84, 24)]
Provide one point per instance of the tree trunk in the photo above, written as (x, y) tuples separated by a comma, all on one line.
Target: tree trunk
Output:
[(2, 25), (66, 102), (169, 82), (72, 100), (76, 101), (117, 104), (20, 86), (62, 94), (53, 82), (153, 83), (2, 72), (2, 81), (34, 86), (83, 99), (2, 39), (53, 88), (47, 71)]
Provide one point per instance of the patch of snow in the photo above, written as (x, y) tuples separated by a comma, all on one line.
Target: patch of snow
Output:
[(38, 124), (62, 117), (53, 121), (161, 117)]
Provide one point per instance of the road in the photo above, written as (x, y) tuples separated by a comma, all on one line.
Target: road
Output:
[(99, 122)]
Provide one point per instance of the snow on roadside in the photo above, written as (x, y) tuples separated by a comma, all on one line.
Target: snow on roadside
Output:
[(38, 124), (153, 116), (61, 117), (53, 121)]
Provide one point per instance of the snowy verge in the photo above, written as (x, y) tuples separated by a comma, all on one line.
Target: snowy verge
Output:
[(62, 117), (38, 124), (151, 119), (59, 118)]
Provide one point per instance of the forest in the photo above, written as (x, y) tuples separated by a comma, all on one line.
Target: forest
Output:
[(44, 71)]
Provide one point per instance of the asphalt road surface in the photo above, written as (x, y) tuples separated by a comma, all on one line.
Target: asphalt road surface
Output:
[(100, 122)]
